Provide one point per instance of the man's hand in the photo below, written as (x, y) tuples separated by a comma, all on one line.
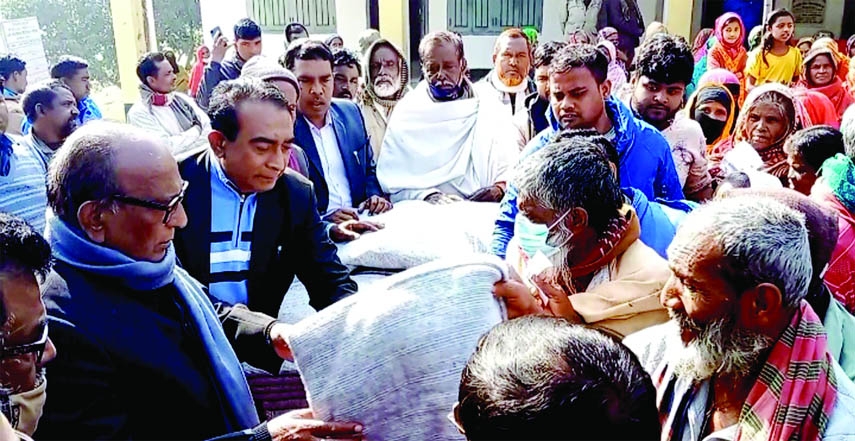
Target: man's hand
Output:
[(376, 205), (442, 198), (558, 303), (518, 299), (342, 215), (221, 45), (352, 230), (299, 425), (279, 339), (493, 193)]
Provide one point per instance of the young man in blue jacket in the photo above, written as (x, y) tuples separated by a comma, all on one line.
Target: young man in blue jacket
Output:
[(580, 98)]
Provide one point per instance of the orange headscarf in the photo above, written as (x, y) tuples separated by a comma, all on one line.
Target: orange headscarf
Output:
[(841, 59)]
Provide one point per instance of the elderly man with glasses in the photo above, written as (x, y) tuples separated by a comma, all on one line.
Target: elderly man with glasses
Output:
[(143, 353), (24, 343)]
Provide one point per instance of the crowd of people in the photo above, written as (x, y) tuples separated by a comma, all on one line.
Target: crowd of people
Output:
[(677, 224)]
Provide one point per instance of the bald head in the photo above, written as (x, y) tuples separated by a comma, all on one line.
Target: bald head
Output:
[(121, 187), (86, 166)]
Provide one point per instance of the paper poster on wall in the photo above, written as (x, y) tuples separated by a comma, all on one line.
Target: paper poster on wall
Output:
[(23, 37), (809, 11)]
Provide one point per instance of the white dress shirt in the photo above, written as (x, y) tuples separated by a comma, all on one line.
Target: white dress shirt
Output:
[(333, 165)]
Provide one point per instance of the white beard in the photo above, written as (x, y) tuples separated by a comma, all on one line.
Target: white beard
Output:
[(385, 89), (720, 349)]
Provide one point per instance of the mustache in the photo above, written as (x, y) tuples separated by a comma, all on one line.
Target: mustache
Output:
[(720, 347)]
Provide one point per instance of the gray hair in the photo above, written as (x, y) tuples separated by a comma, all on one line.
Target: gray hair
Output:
[(83, 168), (570, 173), (847, 127), (761, 241), (439, 37)]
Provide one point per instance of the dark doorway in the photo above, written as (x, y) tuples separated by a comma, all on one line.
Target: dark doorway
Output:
[(751, 12), (373, 14), (848, 27), (418, 28)]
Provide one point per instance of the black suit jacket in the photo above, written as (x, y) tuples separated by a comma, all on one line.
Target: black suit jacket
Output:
[(356, 153), (288, 239)]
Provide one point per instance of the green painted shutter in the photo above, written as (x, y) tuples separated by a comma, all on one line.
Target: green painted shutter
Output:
[(317, 15), (491, 17)]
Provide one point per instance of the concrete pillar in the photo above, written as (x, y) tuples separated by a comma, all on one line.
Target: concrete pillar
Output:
[(132, 34), (677, 17), (394, 23)]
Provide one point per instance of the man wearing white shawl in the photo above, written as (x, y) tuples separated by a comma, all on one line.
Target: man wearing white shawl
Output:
[(446, 141), (508, 80)]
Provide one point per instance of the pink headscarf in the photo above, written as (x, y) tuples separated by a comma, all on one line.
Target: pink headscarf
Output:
[(718, 76), (732, 49)]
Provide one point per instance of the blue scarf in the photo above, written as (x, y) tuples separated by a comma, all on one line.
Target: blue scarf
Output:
[(70, 246), (5, 154)]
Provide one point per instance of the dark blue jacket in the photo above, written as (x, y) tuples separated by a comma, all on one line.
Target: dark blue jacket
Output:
[(129, 358), (215, 73), (349, 127), (646, 164)]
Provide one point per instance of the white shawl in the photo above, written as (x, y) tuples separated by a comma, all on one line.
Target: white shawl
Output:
[(428, 144)]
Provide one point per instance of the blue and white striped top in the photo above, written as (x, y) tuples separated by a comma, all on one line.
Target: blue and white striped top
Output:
[(232, 216), (23, 189)]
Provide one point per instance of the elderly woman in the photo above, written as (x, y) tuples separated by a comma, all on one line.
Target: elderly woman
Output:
[(841, 60), (820, 74), (767, 119)]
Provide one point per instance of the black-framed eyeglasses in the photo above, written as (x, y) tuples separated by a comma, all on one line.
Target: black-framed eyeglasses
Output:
[(36, 347), (168, 209)]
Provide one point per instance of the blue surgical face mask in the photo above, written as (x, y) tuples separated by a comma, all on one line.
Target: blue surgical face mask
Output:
[(445, 93), (534, 237)]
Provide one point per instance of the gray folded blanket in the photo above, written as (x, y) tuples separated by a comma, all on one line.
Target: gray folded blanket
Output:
[(390, 357)]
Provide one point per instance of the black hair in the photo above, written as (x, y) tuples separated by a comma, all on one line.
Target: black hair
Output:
[(581, 55), (574, 172), (228, 96), (815, 144), (346, 57), (22, 248), (42, 94), (67, 67), (10, 64), (665, 59), (294, 28), (545, 53), (307, 50), (246, 29), (768, 41), (147, 66), (544, 378)]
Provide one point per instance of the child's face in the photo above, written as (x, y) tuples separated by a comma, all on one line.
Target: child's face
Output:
[(731, 31), (782, 28)]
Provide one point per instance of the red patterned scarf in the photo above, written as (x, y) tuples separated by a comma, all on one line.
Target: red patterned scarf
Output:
[(791, 400)]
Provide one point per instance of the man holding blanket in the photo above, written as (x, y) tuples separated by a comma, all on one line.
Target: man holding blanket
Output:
[(443, 142)]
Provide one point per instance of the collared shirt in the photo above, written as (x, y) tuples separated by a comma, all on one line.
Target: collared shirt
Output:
[(23, 189), (333, 165), (9, 93), (232, 216), (40, 150)]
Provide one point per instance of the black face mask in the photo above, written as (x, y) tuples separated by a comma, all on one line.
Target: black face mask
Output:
[(712, 127)]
